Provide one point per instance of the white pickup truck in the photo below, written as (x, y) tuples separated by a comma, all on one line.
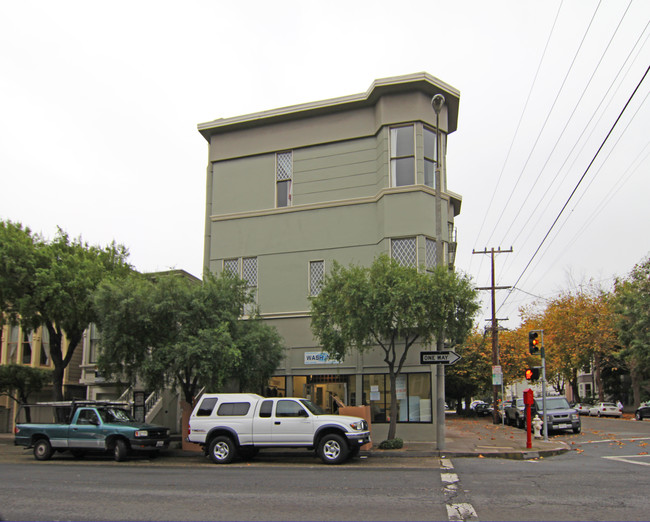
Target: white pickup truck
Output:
[(227, 425)]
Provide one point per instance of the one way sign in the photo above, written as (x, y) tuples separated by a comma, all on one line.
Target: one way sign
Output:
[(447, 357)]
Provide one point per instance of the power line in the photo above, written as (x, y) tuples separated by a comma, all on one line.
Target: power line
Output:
[(578, 184), (550, 111), (523, 112), (566, 125)]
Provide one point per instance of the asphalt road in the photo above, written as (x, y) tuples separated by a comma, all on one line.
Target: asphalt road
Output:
[(607, 477)]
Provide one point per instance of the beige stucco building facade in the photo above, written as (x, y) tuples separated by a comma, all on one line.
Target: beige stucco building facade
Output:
[(293, 189)]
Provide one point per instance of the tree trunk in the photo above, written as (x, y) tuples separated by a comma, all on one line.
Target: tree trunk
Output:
[(56, 354), (392, 429), (635, 375), (599, 377)]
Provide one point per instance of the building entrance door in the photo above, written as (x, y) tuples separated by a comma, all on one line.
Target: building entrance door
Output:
[(322, 394)]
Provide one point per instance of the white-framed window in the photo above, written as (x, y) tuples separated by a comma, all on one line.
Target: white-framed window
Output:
[(404, 251), (283, 179), (231, 266), (429, 157), (402, 155), (45, 346), (316, 276), (28, 338), (431, 254), (12, 344), (94, 339), (249, 274)]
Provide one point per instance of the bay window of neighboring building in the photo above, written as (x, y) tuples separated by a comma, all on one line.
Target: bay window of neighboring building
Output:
[(45, 347), (413, 397), (283, 178), (402, 155), (27, 347), (94, 343)]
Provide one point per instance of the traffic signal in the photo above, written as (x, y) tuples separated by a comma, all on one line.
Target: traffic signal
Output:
[(533, 343), (531, 374)]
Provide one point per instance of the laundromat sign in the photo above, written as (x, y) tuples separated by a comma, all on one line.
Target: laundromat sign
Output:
[(319, 358)]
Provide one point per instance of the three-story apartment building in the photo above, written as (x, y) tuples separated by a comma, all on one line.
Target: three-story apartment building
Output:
[(293, 189)]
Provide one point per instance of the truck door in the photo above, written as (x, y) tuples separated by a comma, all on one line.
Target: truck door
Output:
[(292, 424), (86, 431), (263, 424)]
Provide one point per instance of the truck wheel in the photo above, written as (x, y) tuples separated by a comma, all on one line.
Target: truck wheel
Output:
[(120, 450), (520, 422), (222, 450), (332, 449), (42, 450), (576, 430)]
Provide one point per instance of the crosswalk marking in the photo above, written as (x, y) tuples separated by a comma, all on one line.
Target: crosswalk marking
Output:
[(456, 511)]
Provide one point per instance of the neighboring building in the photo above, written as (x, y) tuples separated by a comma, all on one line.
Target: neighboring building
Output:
[(293, 189), (20, 346)]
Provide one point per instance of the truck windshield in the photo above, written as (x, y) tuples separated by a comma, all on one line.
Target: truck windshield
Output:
[(316, 410), (115, 415)]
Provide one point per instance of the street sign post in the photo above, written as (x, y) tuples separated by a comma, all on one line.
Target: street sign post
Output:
[(446, 357)]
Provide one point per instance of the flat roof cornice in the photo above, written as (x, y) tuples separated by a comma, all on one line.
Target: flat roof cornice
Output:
[(396, 84)]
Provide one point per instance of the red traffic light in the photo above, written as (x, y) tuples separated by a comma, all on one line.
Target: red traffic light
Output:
[(531, 374)]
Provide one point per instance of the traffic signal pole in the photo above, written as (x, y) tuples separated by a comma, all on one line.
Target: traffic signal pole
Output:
[(544, 387), (495, 330), (536, 346)]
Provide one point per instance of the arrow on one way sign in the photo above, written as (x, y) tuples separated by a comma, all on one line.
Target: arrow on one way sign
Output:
[(448, 357)]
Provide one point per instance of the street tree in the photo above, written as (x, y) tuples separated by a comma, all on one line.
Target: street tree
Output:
[(578, 333), (169, 330), (631, 304), (51, 284), (472, 374), (391, 307), (18, 381)]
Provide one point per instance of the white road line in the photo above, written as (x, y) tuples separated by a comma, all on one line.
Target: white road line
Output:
[(626, 458), (456, 511), (635, 439)]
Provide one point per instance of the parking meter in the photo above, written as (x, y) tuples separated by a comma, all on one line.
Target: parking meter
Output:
[(529, 400)]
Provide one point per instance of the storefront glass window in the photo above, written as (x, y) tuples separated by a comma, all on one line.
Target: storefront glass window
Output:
[(413, 397)]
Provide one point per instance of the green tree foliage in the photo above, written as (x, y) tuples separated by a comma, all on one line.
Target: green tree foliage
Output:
[(472, 375), (578, 333), (390, 306), (169, 330), (631, 303), (51, 284), (18, 381)]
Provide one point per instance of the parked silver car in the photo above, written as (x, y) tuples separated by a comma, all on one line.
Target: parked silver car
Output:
[(602, 409)]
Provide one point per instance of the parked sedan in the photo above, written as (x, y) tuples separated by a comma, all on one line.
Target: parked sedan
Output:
[(583, 409), (643, 411), (605, 408)]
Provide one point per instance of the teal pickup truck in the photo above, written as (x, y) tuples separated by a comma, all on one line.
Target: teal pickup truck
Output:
[(86, 427)]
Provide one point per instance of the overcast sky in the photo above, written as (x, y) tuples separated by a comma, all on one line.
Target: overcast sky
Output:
[(99, 103)]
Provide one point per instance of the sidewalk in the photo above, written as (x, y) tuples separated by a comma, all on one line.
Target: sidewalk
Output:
[(465, 437), (478, 437)]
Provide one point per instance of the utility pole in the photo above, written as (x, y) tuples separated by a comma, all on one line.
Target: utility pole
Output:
[(495, 329)]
